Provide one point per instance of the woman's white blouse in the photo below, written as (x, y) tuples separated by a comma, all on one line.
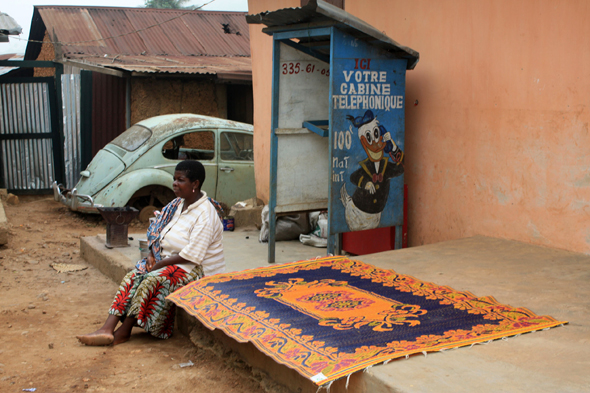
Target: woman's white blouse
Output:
[(195, 235)]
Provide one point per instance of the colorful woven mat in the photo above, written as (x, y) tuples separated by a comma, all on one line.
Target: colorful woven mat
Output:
[(329, 317)]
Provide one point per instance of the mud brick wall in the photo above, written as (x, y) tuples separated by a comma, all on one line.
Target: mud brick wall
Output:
[(47, 54), (152, 97), (195, 140)]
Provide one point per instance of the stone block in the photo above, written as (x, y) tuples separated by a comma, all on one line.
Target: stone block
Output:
[(3, 226), (246, 216), (12, 199)]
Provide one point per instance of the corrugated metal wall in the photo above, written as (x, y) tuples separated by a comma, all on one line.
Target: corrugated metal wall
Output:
[(70, 91), (27, 163), (108, 109)]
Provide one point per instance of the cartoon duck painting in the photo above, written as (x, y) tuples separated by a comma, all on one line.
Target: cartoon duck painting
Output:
[(363, 209)]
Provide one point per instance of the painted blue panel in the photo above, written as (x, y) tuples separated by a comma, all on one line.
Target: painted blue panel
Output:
[(272, 204), (367, 136)]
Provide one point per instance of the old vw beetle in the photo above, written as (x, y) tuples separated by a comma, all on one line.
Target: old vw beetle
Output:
[(136, 168)]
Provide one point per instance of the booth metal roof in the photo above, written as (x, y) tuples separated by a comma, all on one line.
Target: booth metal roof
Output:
[(318, 13)]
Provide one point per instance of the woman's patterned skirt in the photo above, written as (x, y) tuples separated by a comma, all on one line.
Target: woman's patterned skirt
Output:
[(143, 296)]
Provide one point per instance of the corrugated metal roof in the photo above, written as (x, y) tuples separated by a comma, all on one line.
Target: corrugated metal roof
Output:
[(222, 66), (9, 56), (318, 13), (152, 40)]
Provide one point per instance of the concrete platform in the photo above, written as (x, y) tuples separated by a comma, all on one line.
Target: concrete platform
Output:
[(241, 248), (546, 281)]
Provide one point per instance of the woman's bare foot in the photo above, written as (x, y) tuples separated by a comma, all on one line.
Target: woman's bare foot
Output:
[(120, 337), (97, 338), (104, 335)]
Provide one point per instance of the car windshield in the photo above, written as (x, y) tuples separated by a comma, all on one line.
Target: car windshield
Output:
[(134, 137)]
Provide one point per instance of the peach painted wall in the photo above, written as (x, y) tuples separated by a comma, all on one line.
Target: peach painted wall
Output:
[(261, 49), (498, 143)]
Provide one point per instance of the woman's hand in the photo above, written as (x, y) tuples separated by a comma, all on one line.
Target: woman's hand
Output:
[(171, 260), (151, 262)]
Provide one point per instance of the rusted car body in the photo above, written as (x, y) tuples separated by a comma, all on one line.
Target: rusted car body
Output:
[(136, 168)]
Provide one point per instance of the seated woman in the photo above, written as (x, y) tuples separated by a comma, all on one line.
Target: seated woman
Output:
[(185, 244)]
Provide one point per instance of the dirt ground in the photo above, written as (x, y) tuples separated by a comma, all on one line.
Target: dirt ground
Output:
[(42, 311)]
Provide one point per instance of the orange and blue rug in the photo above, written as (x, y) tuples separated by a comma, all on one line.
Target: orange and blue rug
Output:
[(329, 317)]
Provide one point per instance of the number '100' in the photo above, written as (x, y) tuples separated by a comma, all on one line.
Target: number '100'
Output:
[(342, 139)]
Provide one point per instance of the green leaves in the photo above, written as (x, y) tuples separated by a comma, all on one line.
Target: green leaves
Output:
[(169, 4)]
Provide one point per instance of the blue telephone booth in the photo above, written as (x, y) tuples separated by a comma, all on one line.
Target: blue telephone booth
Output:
[(337, 138)]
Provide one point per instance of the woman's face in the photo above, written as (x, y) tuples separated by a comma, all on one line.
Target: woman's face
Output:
[(182, 185)]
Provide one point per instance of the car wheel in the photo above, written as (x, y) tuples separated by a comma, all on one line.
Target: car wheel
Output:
[(146, 213), (151, 197)]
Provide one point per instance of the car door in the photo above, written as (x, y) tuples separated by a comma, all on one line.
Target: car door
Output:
[(235, 177), (194, 145)]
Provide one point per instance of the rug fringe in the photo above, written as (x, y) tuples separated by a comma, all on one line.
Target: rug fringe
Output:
[(329, 386), (326, 386), (348, 380), (425, 353)]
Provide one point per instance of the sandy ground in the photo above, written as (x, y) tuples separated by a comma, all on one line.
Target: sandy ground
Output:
[(42, 311)]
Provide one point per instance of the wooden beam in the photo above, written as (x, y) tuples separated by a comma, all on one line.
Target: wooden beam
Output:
[(93, 67), (300, 32), (300, 27), (305, 49), (320, 127)]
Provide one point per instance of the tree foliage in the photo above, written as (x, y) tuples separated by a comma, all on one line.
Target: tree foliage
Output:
[(169, 4)]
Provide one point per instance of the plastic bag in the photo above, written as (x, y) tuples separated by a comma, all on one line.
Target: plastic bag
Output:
[(318, 237), (287, 228), (320, 229), (313, 240)]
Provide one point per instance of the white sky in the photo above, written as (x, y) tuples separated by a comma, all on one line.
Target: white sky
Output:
[(22, 12)]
